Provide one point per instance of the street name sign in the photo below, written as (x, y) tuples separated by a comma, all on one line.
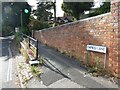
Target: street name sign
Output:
[(95, 48), (100, 49)]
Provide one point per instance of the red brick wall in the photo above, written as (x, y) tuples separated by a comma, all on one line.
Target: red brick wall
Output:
[(100, 30), (114, 55)]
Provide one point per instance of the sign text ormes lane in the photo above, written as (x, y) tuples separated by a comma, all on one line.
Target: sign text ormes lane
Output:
[(100, 49), (95, 48)]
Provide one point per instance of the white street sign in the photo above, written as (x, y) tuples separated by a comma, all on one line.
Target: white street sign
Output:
[(100, 49)]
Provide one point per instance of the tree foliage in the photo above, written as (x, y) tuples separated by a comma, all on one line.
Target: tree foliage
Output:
[(11, 15), (43, 14), (104, 8), (43, 11), (37, 25), (76, 8)]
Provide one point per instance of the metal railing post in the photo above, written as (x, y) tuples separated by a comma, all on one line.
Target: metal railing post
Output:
[(37, 49), (32, 34), (29, 42)]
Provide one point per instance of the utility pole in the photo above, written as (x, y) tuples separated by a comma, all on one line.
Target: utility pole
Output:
[(54, 6), (21, 18)]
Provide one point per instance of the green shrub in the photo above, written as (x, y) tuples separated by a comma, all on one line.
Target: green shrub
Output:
[(17, 38), (7, 30), (24, 30)]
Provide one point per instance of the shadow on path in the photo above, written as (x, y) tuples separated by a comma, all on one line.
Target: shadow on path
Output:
[(49, 65)]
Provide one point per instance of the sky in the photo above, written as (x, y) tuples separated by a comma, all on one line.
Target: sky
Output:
[(59, 12)]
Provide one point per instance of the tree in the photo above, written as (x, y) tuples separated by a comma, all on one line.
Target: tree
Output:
[(11, 15), (36, 24), (76, 8), (43, 14), (43, 11), (104, 8)]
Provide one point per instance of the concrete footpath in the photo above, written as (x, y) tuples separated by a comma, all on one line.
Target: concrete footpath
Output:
[(7, 63), (60, 71)]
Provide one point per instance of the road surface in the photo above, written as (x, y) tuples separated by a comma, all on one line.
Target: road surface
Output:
[(5, 62)]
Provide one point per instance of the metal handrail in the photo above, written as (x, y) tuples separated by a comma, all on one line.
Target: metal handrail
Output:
[(29, 37), (36, 43)]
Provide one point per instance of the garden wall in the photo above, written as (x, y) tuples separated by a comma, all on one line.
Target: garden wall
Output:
[(72, 38)]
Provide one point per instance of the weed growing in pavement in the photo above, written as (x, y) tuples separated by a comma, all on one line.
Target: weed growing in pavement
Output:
[(35, 71), (41, 60), (62, 52), (46, 44), (97, 69), (19, 65)]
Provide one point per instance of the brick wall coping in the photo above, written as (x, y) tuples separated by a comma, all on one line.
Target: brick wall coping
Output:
[(86, 19)]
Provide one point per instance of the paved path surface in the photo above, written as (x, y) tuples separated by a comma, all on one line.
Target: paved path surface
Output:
[(60, 71), (6, 64)]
